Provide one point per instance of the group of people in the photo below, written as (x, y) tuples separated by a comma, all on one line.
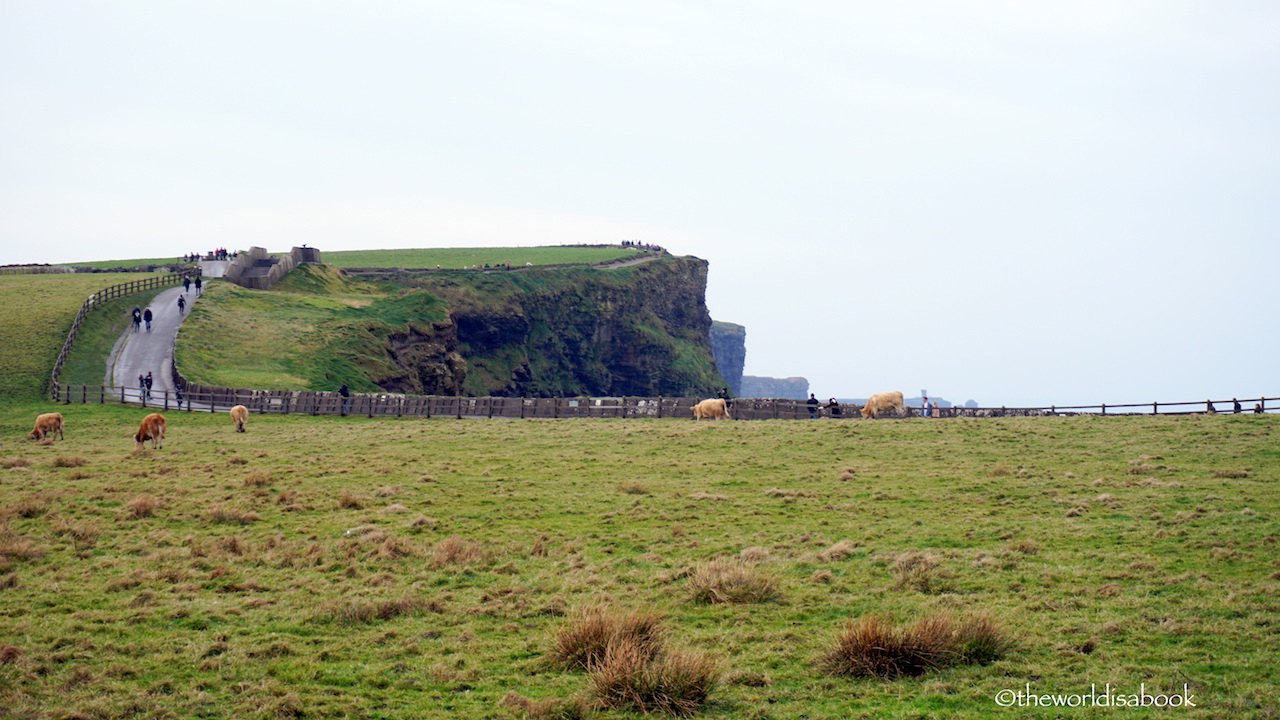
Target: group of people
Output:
[(218, 254), (140, 316), (816, 407)]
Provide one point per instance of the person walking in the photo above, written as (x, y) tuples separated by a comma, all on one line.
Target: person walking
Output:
[(137, 318), (345, 392), (813, 404), (182, 304), (142, 387), (146, 316), (148, 382), (199, 285), (186, 283)]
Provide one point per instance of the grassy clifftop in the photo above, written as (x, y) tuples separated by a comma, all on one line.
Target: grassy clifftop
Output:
[(314, 331), (639, 330)]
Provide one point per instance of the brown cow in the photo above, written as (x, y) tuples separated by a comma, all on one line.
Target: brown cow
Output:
[(239, 416), (152, 429), (46, 425), (883, 402), (714, 408)]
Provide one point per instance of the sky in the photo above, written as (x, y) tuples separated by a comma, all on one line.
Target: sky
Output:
[(1018, 203)]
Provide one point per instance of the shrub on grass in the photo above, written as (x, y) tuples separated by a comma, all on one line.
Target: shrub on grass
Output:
[(584, 643)]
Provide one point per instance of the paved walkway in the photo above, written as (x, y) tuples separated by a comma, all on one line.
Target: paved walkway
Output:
[(151, 351)]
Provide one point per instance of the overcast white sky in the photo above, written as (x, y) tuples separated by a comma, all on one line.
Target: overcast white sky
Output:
[(1020, 203)]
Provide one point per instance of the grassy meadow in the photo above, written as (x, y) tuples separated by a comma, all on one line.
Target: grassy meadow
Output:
[(456, 258), (36, 312), (434, 568)]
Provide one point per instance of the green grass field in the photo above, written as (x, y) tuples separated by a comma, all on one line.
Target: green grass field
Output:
[(455, 258), (36, 312), (330, 567)]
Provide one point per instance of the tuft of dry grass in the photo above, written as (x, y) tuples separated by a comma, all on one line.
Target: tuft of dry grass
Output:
[(979, 639), (15, 462), (572, 708), (872, 646), (919, 570), (84, 535), (583, 643), (31, 507), (839, 551), (70, 461), (732, 581), (355, 612), (142, 506), (675, 683), (632, 488), (231, 516), (707, 496), (1230, 474), (257, 478), (455, 550)]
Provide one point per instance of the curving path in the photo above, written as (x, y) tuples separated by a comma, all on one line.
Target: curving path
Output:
[(142, 351)]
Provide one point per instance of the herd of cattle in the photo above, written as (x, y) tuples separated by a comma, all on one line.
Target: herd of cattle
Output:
[(153, 425), (151, 430)]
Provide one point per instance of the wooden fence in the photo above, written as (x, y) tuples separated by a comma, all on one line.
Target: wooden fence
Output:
[(203, 398), (103, 296)]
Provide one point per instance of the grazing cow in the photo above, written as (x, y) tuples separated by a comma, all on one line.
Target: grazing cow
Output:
[(714, 408), (152, 429), (883, 402), (46, 425), (239, 416)]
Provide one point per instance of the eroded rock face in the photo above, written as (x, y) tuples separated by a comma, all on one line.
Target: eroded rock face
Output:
[(637, 331), (428, 360)]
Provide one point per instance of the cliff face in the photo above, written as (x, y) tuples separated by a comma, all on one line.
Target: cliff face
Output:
[(729, 345), (794, 388), (642, 330)]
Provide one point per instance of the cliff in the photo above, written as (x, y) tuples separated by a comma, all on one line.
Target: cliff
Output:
[(641, 330), (729, 345)]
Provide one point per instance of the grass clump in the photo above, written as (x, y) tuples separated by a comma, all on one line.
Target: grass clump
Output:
[(675, 683), (584, 643), (364, 612), (629, 666), (734, 581), (872, 646)]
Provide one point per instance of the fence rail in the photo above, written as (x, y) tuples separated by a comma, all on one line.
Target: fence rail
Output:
[(103, 296), (203, 398)]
